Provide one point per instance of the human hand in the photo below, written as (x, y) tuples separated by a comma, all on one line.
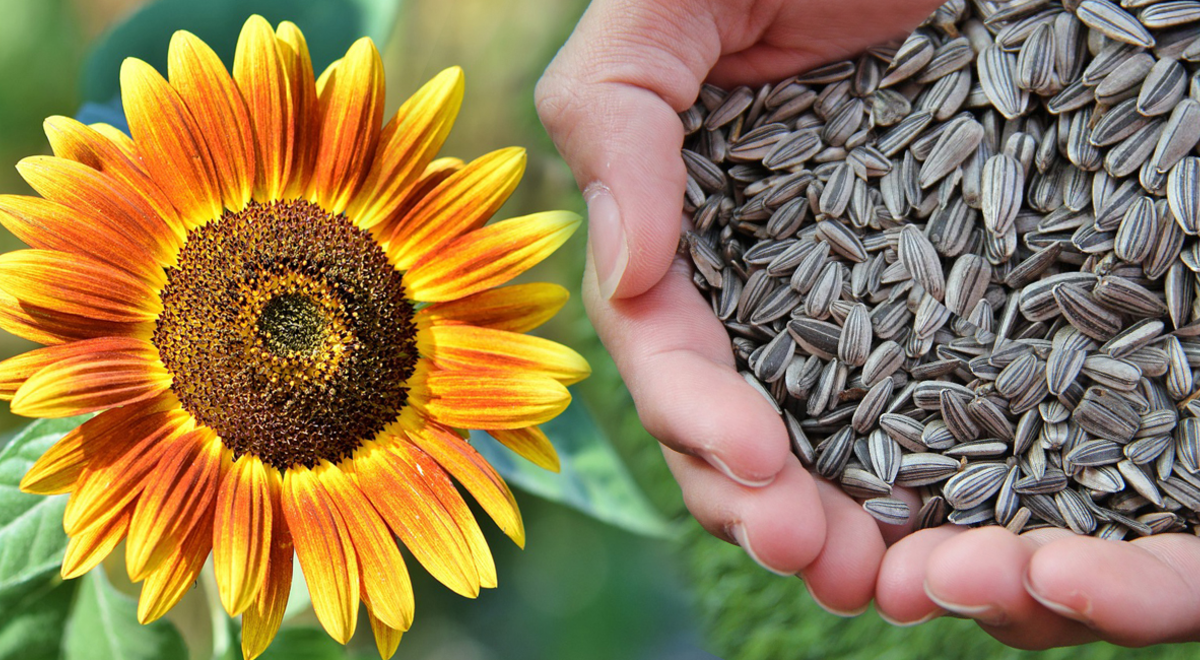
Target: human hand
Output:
[(610, 100)]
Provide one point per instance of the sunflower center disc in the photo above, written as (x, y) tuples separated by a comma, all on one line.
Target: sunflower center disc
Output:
[(288, 332)]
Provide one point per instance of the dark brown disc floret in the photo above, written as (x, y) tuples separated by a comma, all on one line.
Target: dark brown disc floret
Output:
[(288, 332)]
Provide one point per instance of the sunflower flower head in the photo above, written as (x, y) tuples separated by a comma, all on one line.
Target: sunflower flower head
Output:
[(285, 316)]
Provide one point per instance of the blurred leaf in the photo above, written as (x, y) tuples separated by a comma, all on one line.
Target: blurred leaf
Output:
[(304, 644), (32, 540), (104, 626), (592, 478), (330, 26), (33, 630)]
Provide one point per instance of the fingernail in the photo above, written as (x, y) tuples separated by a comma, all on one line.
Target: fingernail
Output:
[(610, 253), (721, 465), (1056, 607), (738, 532), (937, 612), (845, 614), (992, 615)]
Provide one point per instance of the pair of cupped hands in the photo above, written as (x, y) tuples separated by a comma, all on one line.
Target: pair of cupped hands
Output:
[(609, 100)]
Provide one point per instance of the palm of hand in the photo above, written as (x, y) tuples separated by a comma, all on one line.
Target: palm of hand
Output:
[(609, 100)]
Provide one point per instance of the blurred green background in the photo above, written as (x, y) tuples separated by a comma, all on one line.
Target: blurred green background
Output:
[(582, 589)]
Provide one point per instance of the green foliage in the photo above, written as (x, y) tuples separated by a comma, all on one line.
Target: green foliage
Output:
[(32, 540), (303, 644), (103, 626), (330, 26), (592, 480), (33, 630)]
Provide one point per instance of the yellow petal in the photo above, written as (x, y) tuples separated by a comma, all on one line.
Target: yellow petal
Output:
[(530, 442), (242, 536), (516, 308), (77, 285), (305, 110), (494, 400), (258, 69), (217, 107), (460, 459), (171, 142), (468, 347), (408, 144), (463, 202), (326, 552), (351, 114), (261, 620), (489, 256), (113, 373)]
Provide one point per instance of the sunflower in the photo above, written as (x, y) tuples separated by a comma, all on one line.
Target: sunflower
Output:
[(285, 316)]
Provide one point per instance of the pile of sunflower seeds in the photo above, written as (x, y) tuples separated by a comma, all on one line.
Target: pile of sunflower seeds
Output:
[(965, 263)]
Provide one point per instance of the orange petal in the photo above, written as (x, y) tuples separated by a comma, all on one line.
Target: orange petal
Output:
[(259, 72), (452, 502), (242, 536), (325, 550), (170, 141), (216, 104), (408, 144), (385, 581), (489, 256), (114, 372), (100, 150), (45, 325), (119, 212), (463, 202), (16, 370), (77, 285), (469, 347), (481, 480), (531, 443), (433, 176), (351, 114), (387, 638), (119, 457), (171, 581), (413, 512), (48, 225), (85, 551), (59, 468), (175, 497), (305, 110), (516, 308), (261, 620), (494, 400)]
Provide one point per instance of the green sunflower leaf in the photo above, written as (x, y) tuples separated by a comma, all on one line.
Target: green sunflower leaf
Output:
[(33, 630), (104, 626), (330, 26), (32, 540), (307, 643), (592, 479)]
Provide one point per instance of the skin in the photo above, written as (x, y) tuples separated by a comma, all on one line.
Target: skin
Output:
[(609, 100)]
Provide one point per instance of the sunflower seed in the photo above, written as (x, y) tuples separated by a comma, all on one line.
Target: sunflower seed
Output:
[(974, 485), (1113, 22), (887, 510)]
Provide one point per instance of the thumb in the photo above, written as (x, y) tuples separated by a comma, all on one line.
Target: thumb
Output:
[(610, 100)]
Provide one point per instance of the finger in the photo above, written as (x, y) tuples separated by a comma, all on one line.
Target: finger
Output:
[(798, 35), (609, 100), (1143, 592), (980, 574), (781, 526), (900, 594), (675, 358), (842, 578)]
